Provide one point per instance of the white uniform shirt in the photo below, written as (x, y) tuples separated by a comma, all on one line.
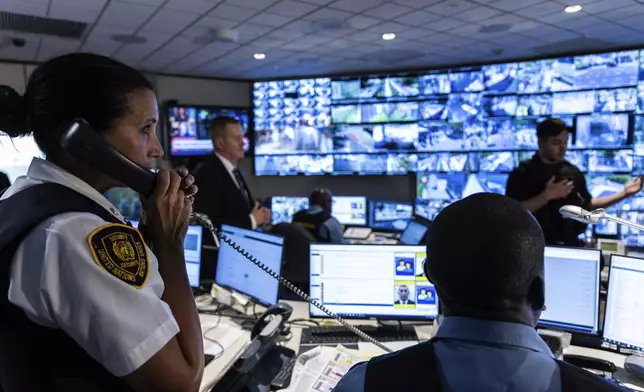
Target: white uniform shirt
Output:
[(58, 284)]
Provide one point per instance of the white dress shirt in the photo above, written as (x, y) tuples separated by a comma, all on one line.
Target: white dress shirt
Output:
[(57, 283), (229, 168)]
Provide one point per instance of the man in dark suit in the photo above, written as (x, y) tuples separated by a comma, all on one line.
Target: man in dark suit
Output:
[(4, 181), (403, 296), (223, 193)]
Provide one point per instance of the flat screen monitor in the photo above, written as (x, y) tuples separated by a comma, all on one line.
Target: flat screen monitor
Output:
[(350, 210), (414, 232), (237, 273), (284, 207), (126, 200), (624, 320), (191, 252), (16, 155), (362, 281), (189, 127), (390, 215), (572, 289)]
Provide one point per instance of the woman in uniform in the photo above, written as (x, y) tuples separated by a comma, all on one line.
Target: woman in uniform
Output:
[(98, 326)]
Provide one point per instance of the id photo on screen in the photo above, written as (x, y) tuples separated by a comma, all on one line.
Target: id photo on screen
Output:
[(404, 265), (404, 294)]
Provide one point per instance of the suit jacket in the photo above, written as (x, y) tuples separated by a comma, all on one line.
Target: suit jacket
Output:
[(409, 302), (4, 181), (219, 197)]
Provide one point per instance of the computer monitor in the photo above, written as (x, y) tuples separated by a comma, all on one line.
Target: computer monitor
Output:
[(362, 281), (350, 210), (390, 215), (572, 289), (284, 207), (16, 155), (191, 252), (237, 273), (624, 320), (415, 231)]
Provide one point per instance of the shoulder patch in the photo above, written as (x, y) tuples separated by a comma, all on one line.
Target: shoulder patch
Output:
[(120, 250)]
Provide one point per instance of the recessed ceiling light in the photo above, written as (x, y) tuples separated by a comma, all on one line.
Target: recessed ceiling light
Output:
[(259, 56), (571, 9), (388, 36)]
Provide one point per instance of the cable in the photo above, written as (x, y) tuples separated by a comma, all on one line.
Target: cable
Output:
[(205, 221)]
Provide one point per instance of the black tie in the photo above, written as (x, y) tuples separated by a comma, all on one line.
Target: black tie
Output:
[(242, 186)]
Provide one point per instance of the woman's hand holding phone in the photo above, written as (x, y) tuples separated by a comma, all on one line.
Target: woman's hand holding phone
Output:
[(169, 209)]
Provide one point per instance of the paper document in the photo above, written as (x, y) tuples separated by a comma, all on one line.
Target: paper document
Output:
[(320, 369), (219, 336)]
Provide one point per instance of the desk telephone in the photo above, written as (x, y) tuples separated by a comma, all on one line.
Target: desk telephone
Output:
[(86, 145)]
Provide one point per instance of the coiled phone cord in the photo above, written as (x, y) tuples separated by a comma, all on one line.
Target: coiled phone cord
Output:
[(204, 221)]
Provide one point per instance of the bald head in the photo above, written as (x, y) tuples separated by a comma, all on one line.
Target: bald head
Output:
[(486, 252), (322, 197)]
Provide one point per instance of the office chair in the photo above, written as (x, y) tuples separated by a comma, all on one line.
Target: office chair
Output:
[(295, 267)]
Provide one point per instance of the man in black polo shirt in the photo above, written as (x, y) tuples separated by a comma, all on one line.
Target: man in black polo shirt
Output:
[(317, 219), (548, 181)]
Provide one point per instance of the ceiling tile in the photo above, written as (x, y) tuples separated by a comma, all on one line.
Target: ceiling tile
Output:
[(268, 19), (415, 34), (153, 3), (608, 32), (388, 27), (511, 5), (300, 44), (170, 21), (291, 8), (253, 4), (418, 18), (365, 36), (619, 13), (94, 5), (477, 14), (450, 7), (139, 51), (582, 21), (504, 19), (54, 46), (634, 22), (232, 12), (418, 3), (318, 2), (444, 24), (125, 14), (21, 7), (269, 43), (388, 10), (195, 6), (284, 35), (327, 14), (356, 6), (76, 14), (538, 10), (206, 24), (599, 7), (362, 22)]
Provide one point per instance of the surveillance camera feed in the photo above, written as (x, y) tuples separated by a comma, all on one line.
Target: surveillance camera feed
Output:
[(189, 128), (461, 130)]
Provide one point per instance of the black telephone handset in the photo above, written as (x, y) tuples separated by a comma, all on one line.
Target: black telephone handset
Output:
[(88, 146), (282, 309)]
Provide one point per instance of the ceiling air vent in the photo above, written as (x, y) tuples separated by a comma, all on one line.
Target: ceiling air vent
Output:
[(37, 25)]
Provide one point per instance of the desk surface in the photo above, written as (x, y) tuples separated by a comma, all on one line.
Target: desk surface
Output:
[(217, 367)]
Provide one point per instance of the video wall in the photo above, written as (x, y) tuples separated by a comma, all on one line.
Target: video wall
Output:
[(461, 120), (189, 128)]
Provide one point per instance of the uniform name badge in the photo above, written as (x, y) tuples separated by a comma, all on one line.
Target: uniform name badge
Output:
[(120, 250)]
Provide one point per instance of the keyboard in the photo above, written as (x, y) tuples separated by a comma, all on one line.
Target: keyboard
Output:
[(283, 378), (340, 335)]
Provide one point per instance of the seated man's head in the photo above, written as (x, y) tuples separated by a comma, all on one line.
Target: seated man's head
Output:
[(323, 198), (228, 138), (403, 292), (485, 258)]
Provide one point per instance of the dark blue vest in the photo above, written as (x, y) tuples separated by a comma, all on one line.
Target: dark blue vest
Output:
[(312, 222), (32, 357), (419, 365)]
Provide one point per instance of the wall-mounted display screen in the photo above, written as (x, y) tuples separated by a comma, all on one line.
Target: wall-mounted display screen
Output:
[(459, 120), (189, 128), (16, 155)]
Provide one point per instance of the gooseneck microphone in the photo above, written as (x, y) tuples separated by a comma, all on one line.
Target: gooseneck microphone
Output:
[(593, 217)]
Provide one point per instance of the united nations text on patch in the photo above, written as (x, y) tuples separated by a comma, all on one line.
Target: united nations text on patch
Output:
[(120, 250)]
